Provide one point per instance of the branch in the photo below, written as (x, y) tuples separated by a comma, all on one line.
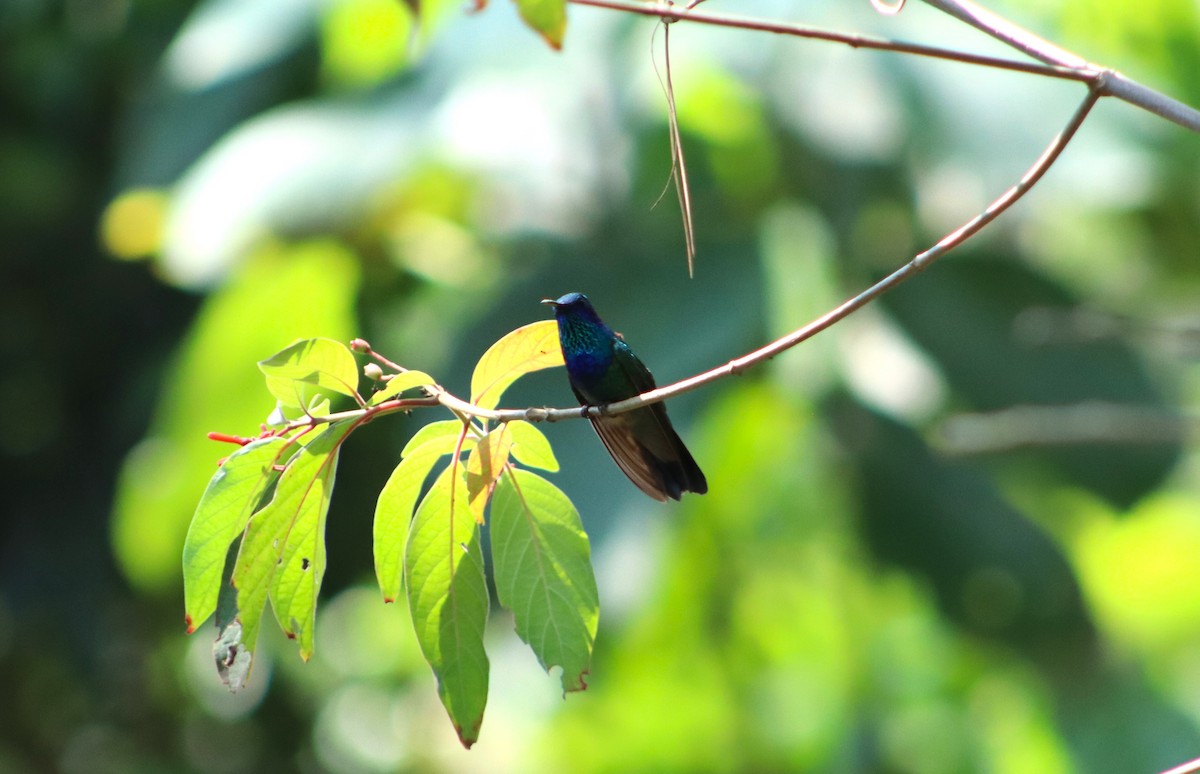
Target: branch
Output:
[(1115, 85), (681, 13), (462, 408), (1061, 64), (915, 266), (1006, 32), (1056, 62)]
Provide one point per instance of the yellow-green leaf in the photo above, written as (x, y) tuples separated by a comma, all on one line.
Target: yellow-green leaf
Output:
[(283, 547), (529, 348), (530, 447), (543, 573), (398, 499), (232, 495), (547, 18), (255, 312), (484, 466), (433, 431), (297, 373), (448, 598), (399, 383)]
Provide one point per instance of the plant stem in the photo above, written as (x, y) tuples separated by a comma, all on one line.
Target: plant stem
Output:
[(680, 13)]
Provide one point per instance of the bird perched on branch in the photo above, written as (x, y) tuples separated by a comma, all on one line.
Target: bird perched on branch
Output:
[(603, 369)]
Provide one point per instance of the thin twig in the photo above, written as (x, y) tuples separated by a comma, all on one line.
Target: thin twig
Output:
[(1006, 200), (1156, 102), (678, 175), (662, 85), (678, 164), (1057, 63)]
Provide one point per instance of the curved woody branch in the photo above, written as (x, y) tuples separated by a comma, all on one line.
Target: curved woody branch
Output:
[(674, 13), (1055, 63), (915, 266), (439, 396), (1109, 82)]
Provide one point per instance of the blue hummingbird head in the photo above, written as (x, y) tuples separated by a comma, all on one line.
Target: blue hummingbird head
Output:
[(586, 339), (575, 310), (573, 305)]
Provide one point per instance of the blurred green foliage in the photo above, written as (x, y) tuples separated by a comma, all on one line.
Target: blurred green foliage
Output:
[(955, 533)]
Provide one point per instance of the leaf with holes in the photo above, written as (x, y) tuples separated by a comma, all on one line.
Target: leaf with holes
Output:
[(233, 493), (283, 548)]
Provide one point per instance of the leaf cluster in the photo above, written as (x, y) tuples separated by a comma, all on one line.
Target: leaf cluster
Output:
[(258, 534)]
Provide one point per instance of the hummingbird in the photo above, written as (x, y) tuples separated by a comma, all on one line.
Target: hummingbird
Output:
[(603, 369)]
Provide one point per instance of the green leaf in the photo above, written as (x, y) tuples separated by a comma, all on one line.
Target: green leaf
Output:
[(394, 509), (547, 18), (301, 565), (232, 495), (283, 549), (448, 597), (399, 383), (319, 406), (484, 466), (297, 373), (543, 570), (529, 348), (531, 447), (451, 428), (254, 312)]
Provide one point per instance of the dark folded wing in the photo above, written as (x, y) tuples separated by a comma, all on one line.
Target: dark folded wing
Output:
[(642, 469), (642, 442)]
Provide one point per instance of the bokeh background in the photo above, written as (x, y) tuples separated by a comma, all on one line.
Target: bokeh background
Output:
[(958, 532)]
